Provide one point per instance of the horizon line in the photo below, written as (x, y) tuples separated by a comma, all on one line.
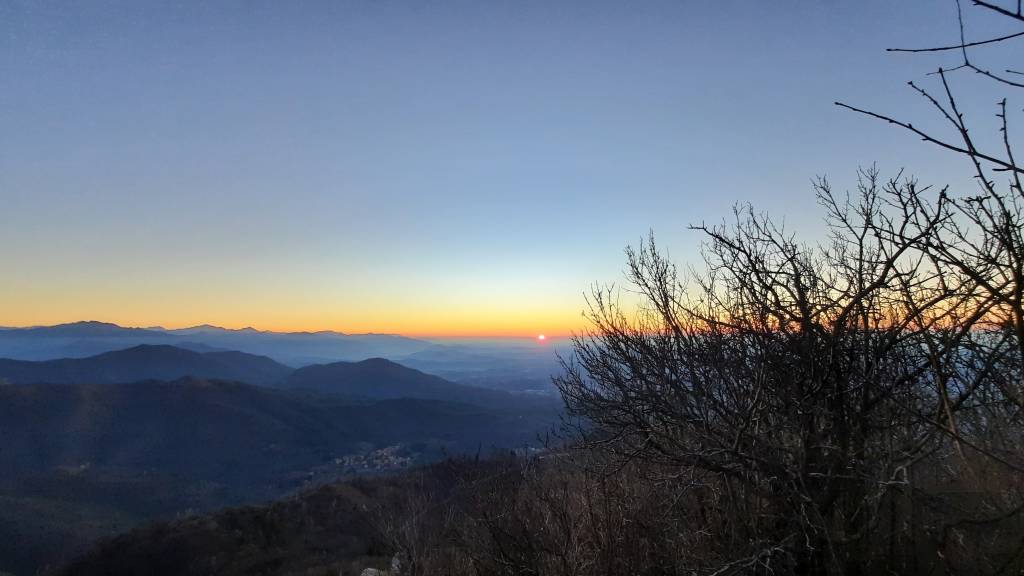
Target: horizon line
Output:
[(549, 335)]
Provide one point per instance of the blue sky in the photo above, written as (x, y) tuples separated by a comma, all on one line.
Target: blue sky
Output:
[(421, 167)]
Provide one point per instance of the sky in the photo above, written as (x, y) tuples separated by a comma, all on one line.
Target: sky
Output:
[(456, 168)]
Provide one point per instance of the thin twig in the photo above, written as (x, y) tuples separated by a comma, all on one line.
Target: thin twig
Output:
[(957, 46), (927, 138)]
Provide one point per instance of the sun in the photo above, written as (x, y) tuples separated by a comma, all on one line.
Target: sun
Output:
[(541, 337)]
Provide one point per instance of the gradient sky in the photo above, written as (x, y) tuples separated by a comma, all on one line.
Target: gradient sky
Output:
[(422, 167)]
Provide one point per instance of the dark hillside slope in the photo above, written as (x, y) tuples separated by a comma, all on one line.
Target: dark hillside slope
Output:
[(79, 462), (232, 433), (325, 531), (334, 529), (203, 428)]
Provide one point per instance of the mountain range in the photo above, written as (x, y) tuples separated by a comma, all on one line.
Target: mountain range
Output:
[(519, 365), (371, 379), (94, 446), (146, 362), (82, 339)]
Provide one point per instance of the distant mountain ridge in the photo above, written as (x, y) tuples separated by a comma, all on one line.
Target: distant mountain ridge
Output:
[(358, 379), (364, 379), (91, 328), (212, 329), (88, 338), (146, 362), (373, 379)]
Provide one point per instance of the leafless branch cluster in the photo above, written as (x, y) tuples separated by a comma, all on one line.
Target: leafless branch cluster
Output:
[(814, 387), (855, 405)]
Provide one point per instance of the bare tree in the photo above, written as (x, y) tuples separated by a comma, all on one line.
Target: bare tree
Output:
[(981, 237), (847, 400)]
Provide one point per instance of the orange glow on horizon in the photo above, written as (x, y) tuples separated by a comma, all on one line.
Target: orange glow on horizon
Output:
[(278, 309), (477, 330), (454, 308)]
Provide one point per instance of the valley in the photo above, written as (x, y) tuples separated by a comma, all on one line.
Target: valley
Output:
[(98, 445)]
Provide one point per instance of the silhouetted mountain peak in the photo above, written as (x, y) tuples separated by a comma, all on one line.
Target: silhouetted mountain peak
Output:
[(150, 350), (92, 323), (87, 328), (381, 362), (203, 329)]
